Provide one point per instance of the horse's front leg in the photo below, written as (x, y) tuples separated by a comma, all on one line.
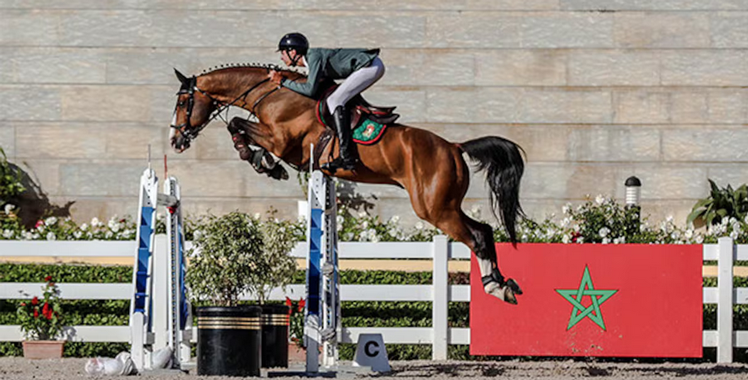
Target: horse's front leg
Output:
[(242, 134)]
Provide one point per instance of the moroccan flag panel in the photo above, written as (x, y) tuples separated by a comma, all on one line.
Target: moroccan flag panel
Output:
[(627, 300)]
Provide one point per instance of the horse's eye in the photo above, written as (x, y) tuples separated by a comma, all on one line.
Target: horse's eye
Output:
[(181, 103)]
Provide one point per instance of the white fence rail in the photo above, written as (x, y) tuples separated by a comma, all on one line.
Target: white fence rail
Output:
[(440, 292)]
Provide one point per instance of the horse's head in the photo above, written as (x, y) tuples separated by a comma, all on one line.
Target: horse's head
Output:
[(191, 114)]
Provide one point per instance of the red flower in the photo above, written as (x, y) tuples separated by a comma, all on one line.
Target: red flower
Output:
[(49, 314), (39, 224), (48, 278), (289, 303), (302, 303), (35, 301), (45, 308), (575, 236), (36, 313)]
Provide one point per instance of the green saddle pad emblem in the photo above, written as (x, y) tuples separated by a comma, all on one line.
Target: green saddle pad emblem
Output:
[(367, 131)]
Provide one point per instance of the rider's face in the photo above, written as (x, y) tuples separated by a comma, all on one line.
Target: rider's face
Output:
[(288, 56)]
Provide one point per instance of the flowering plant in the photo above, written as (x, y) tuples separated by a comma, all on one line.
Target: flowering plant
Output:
[(41, 319), (296, 321)]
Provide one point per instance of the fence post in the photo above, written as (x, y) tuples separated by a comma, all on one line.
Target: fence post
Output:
[(440, 305), (724, 301)]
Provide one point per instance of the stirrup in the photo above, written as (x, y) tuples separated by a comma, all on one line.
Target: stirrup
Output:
[(339, 163)]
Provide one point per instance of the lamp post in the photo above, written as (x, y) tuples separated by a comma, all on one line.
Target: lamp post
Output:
[(633, 195)]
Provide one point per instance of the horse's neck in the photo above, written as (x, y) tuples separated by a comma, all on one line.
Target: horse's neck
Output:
[(281, 109)]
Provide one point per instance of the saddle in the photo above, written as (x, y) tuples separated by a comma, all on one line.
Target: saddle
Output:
[(359, 109)]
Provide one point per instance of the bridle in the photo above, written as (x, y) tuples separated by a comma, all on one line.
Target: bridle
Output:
[(187, 130)]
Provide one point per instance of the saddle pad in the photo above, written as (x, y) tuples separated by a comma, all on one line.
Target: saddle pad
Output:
[(367, 132)]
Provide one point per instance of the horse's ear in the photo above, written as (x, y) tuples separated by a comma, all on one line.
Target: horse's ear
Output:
[(181, 77)]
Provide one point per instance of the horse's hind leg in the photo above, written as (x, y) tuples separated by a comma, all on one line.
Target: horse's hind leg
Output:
[(479, 238)]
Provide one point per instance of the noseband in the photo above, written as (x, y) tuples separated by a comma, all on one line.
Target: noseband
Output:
[(187, 130)]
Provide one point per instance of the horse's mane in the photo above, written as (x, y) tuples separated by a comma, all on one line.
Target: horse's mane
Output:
[(266, 66)]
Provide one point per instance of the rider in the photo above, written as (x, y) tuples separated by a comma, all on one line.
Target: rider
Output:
[(361, 68)]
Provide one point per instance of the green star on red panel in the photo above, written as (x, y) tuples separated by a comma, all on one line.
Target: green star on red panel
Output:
[(593, 311)]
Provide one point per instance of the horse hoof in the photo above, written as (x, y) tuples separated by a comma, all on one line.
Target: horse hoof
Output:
[(514, 286), (504, 293)]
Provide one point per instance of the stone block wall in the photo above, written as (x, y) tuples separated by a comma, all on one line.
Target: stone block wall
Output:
[(594, 90)]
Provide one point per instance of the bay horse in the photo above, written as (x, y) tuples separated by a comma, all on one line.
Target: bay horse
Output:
[(431, 169)]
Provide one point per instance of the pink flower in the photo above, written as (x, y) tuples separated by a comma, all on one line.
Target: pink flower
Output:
[(39, 224)]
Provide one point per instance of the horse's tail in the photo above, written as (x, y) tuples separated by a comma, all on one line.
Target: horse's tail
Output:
[(502, 160)]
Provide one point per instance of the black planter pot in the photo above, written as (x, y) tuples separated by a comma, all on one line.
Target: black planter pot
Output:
[(275, 336), (229, 341)]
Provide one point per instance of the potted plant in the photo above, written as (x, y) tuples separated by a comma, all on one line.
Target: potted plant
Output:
[(42, 323), (237, 254), (222, 265)]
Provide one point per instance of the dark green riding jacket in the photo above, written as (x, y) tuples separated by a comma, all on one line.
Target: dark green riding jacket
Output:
[(332, 64)]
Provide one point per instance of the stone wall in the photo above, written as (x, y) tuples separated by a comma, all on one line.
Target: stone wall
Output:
[(594, 90)]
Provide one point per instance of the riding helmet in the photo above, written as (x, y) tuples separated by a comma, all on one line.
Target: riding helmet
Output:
[(295, 41)]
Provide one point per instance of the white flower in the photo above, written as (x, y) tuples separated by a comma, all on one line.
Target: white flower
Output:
[(395, 219), (392, 232), (524, 237), (362, 214), (7, 234), (51, 236), (257, 216), (50, 221), (744, 219), (108, 235), (95, 222), (364, 225), (419, 225), (734, 234), (375, 239), (9, 207), (566, 209), (616, 241), (566, 239), (669, 219), (599, 199), (699, 239), (675, 235), (77, 234), (580, 240), (688, 234), (577, 228), (604, 232), (339, 227), (84, 227), (606, 241), (35, 236), (339, 219), (565, 222)]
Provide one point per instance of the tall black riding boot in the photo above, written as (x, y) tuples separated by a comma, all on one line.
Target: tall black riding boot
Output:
[(348, 153)]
